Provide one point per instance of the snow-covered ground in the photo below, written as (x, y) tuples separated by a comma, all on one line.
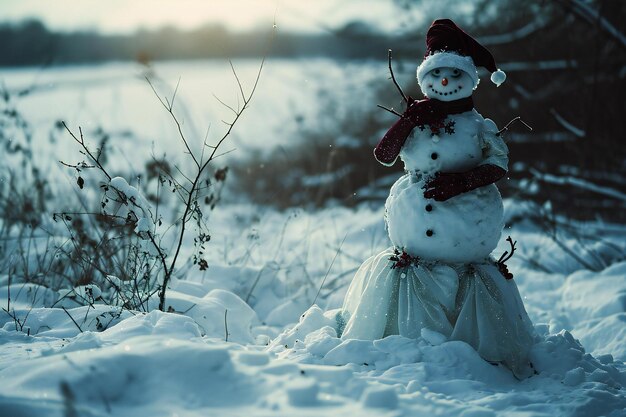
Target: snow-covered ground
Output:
[(279, 355), (254, 334)]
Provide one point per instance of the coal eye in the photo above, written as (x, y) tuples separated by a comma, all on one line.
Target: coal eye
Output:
[(456, 73), (436, 72)]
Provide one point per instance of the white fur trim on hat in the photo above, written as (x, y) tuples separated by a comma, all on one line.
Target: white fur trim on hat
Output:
[(450, 60)]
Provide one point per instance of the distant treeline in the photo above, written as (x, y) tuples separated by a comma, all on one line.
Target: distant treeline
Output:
[(566, 77), (31, 43)]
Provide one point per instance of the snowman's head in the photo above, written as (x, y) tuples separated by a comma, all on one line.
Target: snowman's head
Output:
[(447, 84), (450, 49)]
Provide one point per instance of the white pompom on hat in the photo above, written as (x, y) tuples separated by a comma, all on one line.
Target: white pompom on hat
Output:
[(447, 45)]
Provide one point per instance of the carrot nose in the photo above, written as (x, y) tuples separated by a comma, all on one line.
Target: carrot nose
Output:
[(444, 81)]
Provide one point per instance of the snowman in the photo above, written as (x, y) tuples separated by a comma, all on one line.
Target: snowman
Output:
[(444, 217)]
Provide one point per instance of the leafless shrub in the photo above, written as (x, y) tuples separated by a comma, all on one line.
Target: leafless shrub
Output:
[(125, 241)]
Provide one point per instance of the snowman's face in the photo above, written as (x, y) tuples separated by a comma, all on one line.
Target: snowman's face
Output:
[(447, 84)]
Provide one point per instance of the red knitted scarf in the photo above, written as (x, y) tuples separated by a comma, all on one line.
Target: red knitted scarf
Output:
[(427, 112)]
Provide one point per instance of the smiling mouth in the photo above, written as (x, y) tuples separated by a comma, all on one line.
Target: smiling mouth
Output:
[(446, 93)]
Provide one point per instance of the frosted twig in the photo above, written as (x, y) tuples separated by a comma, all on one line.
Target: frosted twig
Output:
[(516, 119)]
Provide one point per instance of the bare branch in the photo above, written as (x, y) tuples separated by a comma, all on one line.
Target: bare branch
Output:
[(393, 78), (580, 183), (194, 186), (206, 136), (256, 81), (224, 153), (174, 95), (329, 268), (77, 166), (189, 203), (567, 125), (593, 17), (238, 82), (389, 110), (157, 94), (208, 130), (72, 318), (507, 255), (160, 254), (225, 105), (184, 176), (176, 121), (86, 152), (516, 119), (226, 325), (536, 24)]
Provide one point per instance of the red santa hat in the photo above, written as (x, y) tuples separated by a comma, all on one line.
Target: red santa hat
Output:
[(447, 45)]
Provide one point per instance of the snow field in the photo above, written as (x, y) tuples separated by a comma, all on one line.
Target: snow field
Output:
[(116, 97), (283, 356)]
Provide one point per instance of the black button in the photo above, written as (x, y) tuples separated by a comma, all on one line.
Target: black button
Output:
[(429, 207), (434, 155), (429, 233)]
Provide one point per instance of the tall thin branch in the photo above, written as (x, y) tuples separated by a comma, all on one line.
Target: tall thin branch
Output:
[(174, 95), (226, 325), (329, 268), (201, 168), (243, 95), (393, 78), (169, 109)]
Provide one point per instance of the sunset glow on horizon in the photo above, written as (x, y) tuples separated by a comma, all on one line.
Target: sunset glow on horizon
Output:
[(122, 16)]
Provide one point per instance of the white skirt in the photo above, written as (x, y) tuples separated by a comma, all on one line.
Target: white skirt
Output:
[(470, 302)]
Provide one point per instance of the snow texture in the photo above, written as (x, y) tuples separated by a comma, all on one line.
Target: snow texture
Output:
[(132, 364), (135, 205), (128, 363)]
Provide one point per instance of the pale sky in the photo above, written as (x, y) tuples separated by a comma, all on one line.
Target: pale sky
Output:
[(123, 16)]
